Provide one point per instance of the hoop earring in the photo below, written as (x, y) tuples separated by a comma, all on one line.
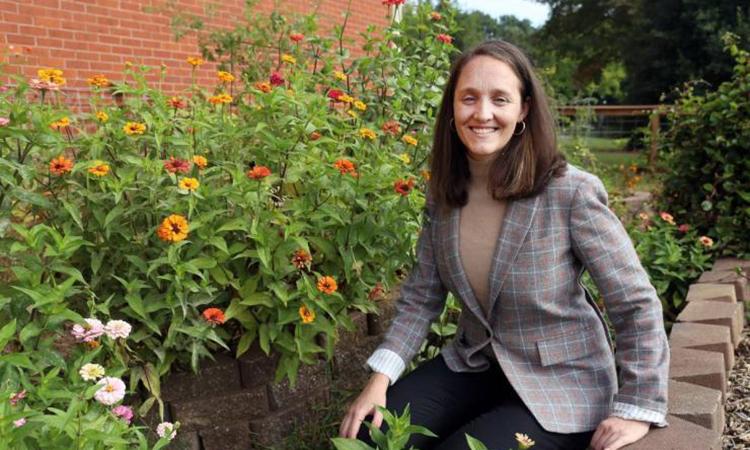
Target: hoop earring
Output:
[(523, 128), (452, 124)]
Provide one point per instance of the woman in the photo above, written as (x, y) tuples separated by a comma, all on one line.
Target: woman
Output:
[(532, 354)]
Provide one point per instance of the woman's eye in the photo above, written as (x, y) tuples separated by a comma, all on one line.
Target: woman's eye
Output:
[(501, 100), (468, 99)]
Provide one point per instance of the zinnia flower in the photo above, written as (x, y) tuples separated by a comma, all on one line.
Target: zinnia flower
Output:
[(276, 79), (91, 372), (289, 59), (353, 114), (425, 174), (360, 105), (643, 216), (667, 217), (403, 187), (200, 161), (524, 442), (706, 241), (345, 166), (62, 123), (173, 229), (315, 135), (258, 172), (214, 316), (296, 37), (4, 121), (99, 81), (367, 133), (684, 228), (60, 165), (17, 397), (263, 86), (174, 165), (111, 392), (327, 285), (53, 76), (225, 77), (117, 329), (99, 169), (436, 16), (301, 259), (444, 38), (43, 85), (123, 412), (189, 184), (177, 102), (89, 331), (220, 99), (132, 128), (334, 94), (194, 61), (306, 314), (166, 430), (410, 140), (345, 98), (405, 158), (376, 292), (20, 422), (102, 117), (341, 76), (391, 127)]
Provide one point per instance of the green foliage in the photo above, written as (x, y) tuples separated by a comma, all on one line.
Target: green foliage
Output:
[(707, 170), (399, 431)]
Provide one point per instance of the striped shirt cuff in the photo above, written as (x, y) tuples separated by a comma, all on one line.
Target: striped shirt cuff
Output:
[(632, 412), (386, 362)]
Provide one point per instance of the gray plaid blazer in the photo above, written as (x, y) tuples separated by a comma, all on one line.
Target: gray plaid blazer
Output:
[(545, 332)]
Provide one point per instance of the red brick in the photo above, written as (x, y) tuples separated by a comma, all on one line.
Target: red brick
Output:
[(739, 280), (696, 404), (715, 313), (698, 336), (731, 263), (698, 367), (712, 291)]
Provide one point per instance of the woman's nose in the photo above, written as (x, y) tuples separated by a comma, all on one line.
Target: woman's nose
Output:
[(483, 110)]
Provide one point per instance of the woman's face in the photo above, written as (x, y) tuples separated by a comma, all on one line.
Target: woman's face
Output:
[(487, 105)]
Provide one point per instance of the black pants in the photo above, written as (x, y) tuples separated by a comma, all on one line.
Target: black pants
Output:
[(482, 404)]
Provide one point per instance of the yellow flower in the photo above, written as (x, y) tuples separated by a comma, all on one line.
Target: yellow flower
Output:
[(346, 98), (409, 140), (99, 169), (425, 174), (339, 75), (174, 228), (360, 105), (353, 114), (51, 76), (132, 128), (62, 123), (200, 161), (102, 117), (405, 158), (189, 184), (306, 314), (194, 61), (289, 59), (225, 77), (367, 133), (524, 441), (99, 81), (220, 99)]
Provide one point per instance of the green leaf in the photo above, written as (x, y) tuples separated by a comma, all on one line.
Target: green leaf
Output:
[(238, 224), (474, 443), (246, 341), (7, 332), (74, 212), (258, 298), (350, 444)]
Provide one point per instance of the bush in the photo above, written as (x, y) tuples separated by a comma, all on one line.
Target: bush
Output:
[(707, 171)]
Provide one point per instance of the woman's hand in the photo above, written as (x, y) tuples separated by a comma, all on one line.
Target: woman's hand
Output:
[(373, 394), (614, 432)]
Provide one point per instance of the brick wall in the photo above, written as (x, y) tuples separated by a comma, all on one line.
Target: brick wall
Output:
[(88, 37)]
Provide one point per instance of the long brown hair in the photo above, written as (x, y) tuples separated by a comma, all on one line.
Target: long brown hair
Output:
[(529, 160)]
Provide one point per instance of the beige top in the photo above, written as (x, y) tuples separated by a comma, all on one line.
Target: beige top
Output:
[(480, 223)]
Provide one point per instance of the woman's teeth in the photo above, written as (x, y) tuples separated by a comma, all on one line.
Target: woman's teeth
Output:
[(483, 130)]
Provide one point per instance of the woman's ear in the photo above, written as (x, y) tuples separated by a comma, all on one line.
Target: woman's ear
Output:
[(525, 107)]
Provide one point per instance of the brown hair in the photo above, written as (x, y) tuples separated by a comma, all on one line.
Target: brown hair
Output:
[(529, 160)]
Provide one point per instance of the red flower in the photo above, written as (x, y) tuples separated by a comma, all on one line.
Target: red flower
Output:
[(296, 37), (335, 94), (315, 135), (376, 292), (177, 102), (301, 259), (403, 187), (276, 79), (175, 165), (684, 228), (391, 127), (445, 38), (214, 316), (258, 172), (345, 166)]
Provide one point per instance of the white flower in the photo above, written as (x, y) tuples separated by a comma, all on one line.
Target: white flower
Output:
[(20, 422), (111, 392), (166, 429), (91, 372), (117, 329), (88, 332)]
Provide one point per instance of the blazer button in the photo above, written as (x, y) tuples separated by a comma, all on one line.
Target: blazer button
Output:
[(487, 333)]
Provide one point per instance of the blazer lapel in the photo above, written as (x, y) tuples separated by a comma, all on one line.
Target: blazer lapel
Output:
[(519, 215)]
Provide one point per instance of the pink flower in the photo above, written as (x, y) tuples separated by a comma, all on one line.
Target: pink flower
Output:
[(276, 79), (335, 94), (20, 422), (665, 216), (117, 329), (166, 429), (88, 332), (17, 397), (444, 38), (111, 392), (296, 37), (684, 228), (4, 121), (123, 412), (43, 85)]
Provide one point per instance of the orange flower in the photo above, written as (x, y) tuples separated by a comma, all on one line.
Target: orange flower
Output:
[(92, 344), (391, 127), (214, 316), (99, 81), (665, 216), (327, 285), (174, 228), (345, 166), (301, 259), (62, 123), (426, 175), (102, 117), (189, 184), (436, 16), (174, 165), (445, 38), (258, 172), (225, 77), (194, 61), (132, 128), (296, 37), (220, 99), (263, 86), (99, 169), (367, 133), (409, 140), (306, 314), (403, 187), (706, 241), (177, 102), (315, 135), (60, 165), (200, 161)]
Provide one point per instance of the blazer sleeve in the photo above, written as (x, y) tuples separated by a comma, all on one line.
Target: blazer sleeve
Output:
[(605, 249), (420, 303)]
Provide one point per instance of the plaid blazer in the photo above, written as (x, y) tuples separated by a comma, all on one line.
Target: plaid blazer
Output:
[(545, 332)]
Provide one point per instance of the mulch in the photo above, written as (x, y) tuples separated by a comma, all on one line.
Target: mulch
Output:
[(737, 430)]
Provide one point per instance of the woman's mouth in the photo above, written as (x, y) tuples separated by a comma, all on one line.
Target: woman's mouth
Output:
[(483, 131)]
